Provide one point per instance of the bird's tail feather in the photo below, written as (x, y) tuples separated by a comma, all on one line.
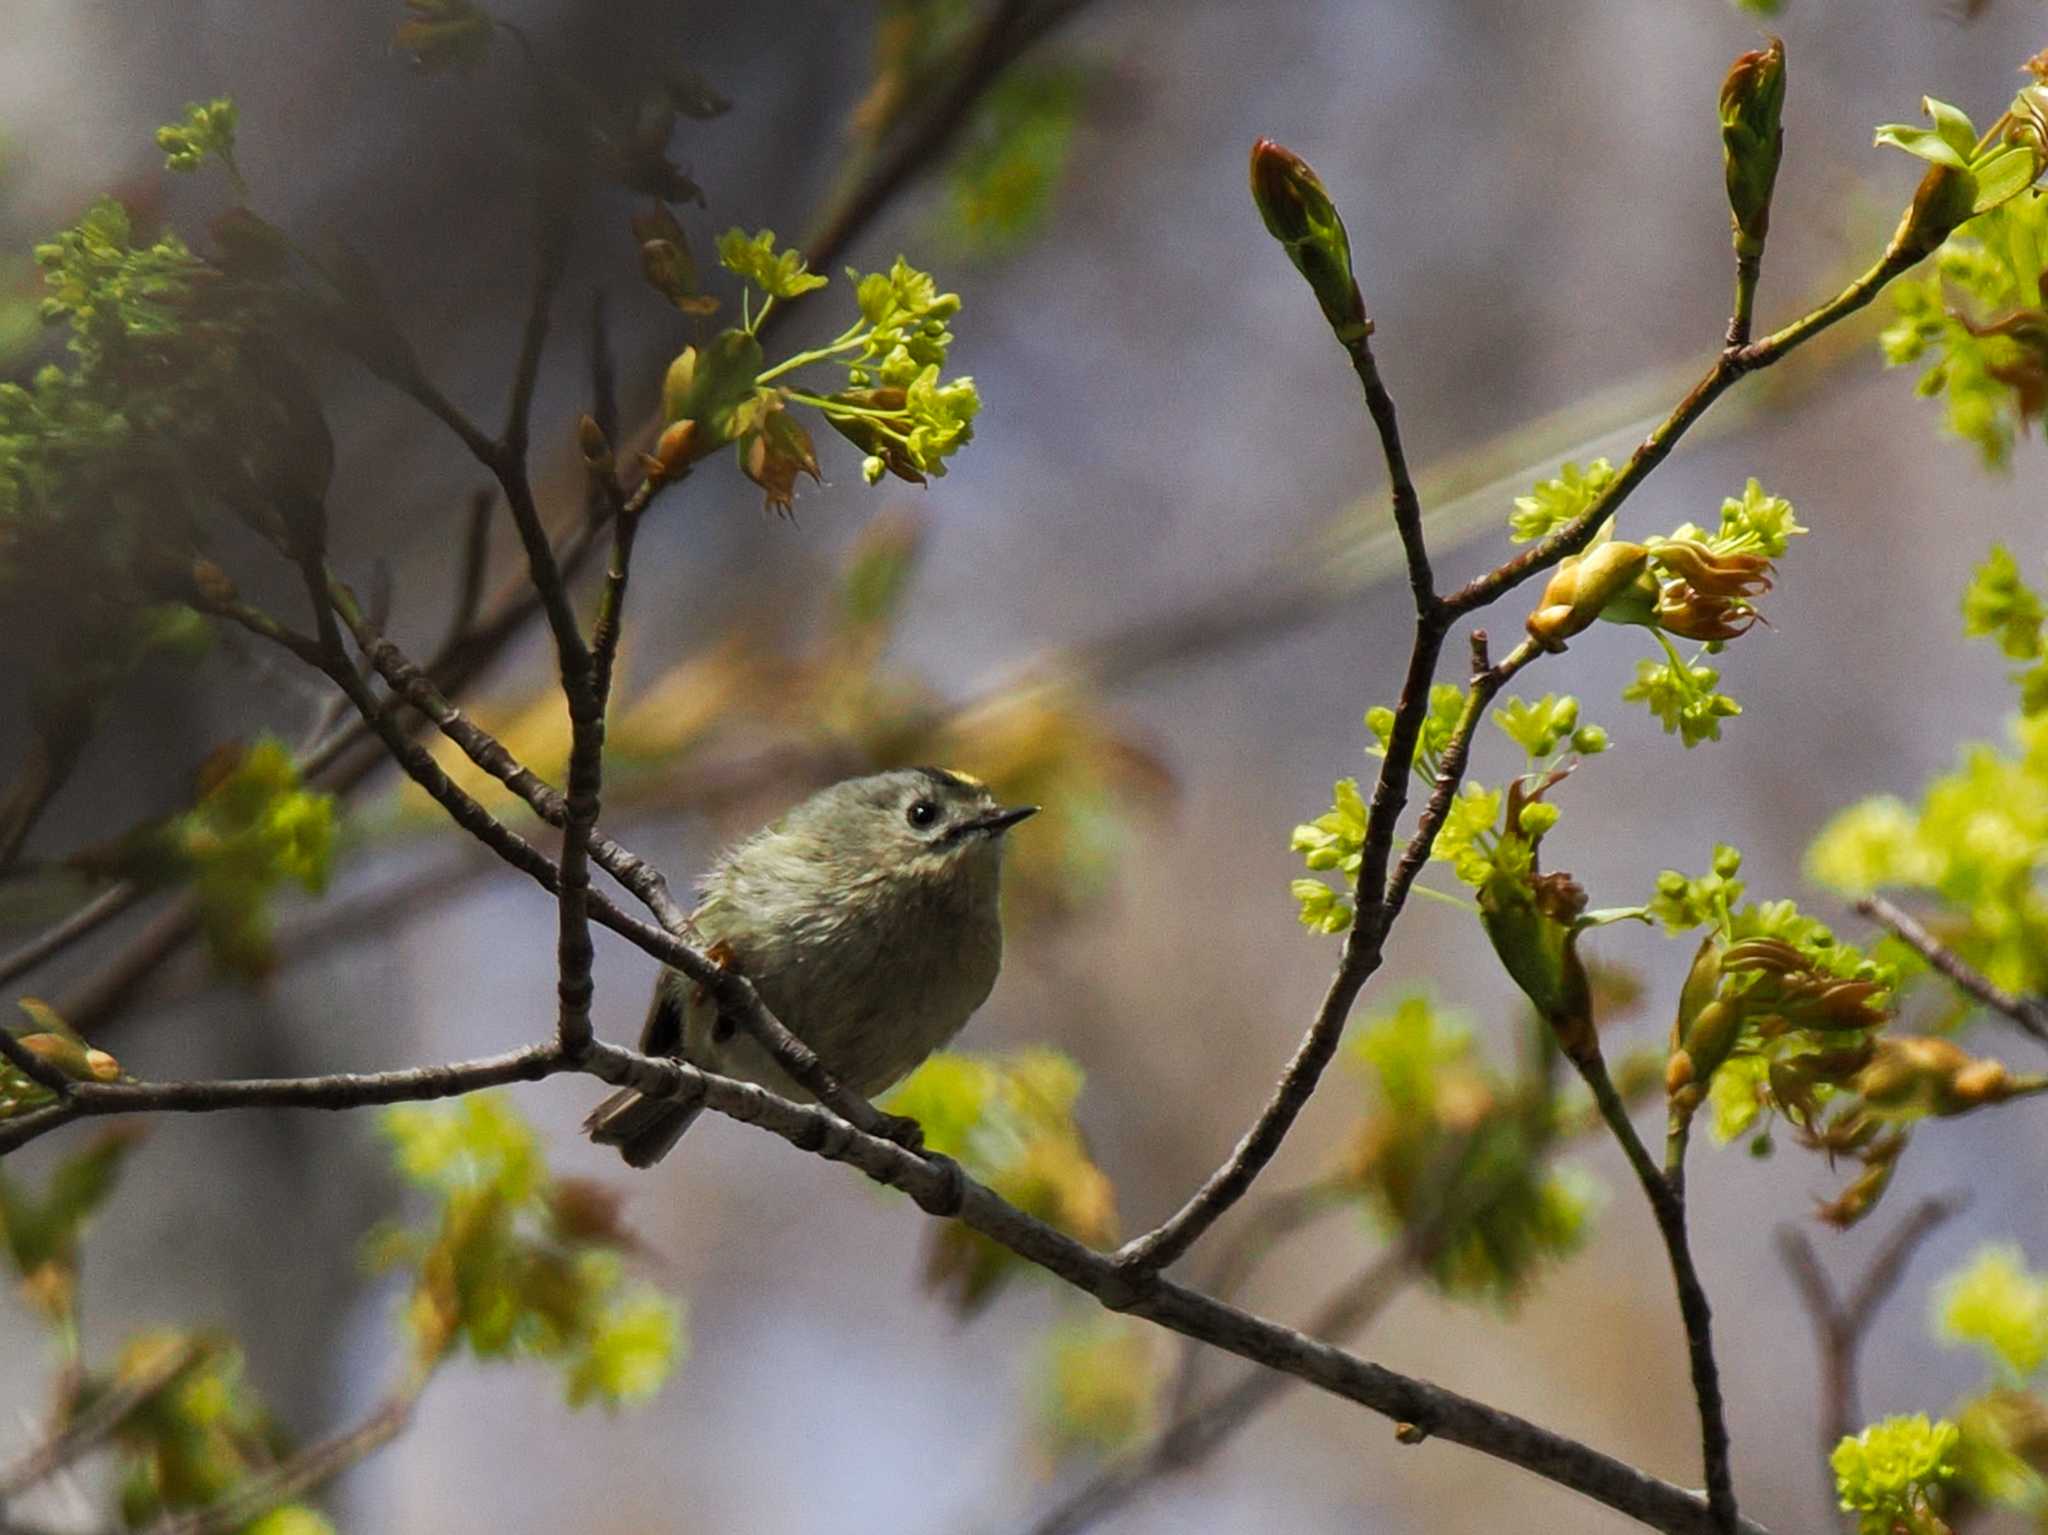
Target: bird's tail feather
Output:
[(643, 1128)]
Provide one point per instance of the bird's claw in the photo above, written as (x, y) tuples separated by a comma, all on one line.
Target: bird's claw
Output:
[(904, 1131)]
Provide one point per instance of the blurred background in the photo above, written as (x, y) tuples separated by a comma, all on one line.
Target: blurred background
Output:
[(1535, 204)]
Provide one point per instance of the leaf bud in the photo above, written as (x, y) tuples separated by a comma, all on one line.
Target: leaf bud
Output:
[(213, 584), (1752, 140), (1580, 587), (1299, 214), (592, 443)]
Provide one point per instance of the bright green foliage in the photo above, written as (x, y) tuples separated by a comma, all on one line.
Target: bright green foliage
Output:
[(1978, 840), (1439, 724), (1999, 1306), (1321, 909), (1683, 903), (519, 1264), (1468, 839), (1891, 1475), (1971, 174), (1753, 523), (1980, 320), (171, 415), (206, 130), (1682, 695), (1544, 727), (1009, 1121), (1013, 156), (255, 828), (897, 408), (40, 1232), (1554, 503), (1447, 1147), (1999, 603), (631, 1350), (778, 274), (199, 1440), (1735, 1096), (292, 1519), (1759, 7), (1099, 1387)]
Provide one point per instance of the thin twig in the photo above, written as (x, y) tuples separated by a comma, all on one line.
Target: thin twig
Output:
[(59, 936), (2030, 1013), (476, 558), (1665, 1192)]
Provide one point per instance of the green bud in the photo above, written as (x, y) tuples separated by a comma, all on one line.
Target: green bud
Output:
[(1538, 818), (1752, 97), (1540, 954), (708, 386), (1581, 588), (1589, 740), (1299, 214)]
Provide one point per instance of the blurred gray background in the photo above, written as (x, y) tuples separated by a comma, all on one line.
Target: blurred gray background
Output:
[(1534, 197)]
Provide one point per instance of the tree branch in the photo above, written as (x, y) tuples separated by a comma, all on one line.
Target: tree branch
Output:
[(939, 1188), (1666, 1194), (2030, 1013)]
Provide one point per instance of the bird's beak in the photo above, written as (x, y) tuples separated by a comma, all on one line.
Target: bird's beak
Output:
[(996, 822)]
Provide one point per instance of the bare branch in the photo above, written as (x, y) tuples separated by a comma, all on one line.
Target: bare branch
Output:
[(59, 936), (2030, 1013), (476, 557), (1407, 507), (1665, 1190)]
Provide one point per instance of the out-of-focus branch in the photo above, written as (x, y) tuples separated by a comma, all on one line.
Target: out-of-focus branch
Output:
[(1839, 1327), (1664, 1188), (2030, 1013), (302, 1471), (1196, 1432), (90, 1429)]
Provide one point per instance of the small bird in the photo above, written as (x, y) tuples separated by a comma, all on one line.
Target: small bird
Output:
[(869, 920)]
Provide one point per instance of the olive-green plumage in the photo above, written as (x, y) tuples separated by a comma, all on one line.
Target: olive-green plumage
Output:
[(868, 919)]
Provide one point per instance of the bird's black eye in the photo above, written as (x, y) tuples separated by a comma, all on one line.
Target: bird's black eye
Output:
[(921, 813)]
